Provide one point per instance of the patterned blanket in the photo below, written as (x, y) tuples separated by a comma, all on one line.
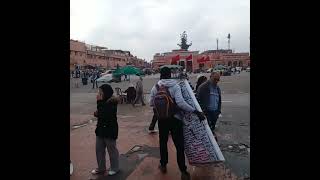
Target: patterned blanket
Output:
[(200, 145)]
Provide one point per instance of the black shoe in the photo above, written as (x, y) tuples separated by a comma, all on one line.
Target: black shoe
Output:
[(185, 175), (163, 169)]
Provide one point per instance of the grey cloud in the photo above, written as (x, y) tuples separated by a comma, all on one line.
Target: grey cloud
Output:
[(147, 27)]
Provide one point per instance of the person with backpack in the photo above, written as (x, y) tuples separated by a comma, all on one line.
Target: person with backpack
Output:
[(167, 100)]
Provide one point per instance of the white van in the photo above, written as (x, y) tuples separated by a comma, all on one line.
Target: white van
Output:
[(238, 68), (106, 76)]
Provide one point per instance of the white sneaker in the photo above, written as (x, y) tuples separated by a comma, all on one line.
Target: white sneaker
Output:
[(111, 173), (71, 168), (152, 131)]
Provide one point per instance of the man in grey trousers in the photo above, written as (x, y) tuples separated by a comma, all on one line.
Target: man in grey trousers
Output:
[(139, 90), (101, 144)]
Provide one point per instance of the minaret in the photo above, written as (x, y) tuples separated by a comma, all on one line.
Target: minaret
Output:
[(229, 40), (217, 44)]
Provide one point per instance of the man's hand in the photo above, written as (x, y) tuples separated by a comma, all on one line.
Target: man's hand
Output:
[(200, 115)]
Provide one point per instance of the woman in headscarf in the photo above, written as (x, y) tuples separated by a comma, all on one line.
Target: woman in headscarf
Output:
[(201, 79), (106, 130), (131, 93)]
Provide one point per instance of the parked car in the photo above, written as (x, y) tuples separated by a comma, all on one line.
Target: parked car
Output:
[(107, 72), (105, 79), (248, 69), (106, 76)]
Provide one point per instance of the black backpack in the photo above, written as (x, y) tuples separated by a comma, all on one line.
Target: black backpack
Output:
[(164, 104)]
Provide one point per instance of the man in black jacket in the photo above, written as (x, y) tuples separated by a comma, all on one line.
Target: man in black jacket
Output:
[(209, 97)]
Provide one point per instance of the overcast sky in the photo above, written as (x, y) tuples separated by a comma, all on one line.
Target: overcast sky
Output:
[(146, 27)]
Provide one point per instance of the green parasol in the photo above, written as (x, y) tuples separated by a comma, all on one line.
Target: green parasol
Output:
[(127, 70)]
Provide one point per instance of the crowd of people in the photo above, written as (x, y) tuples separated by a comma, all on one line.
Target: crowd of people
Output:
[(167, 103), (83, 76)]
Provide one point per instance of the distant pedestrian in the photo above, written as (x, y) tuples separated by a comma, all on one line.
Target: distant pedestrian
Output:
[(209, 96), (94, 78), (77, 78), (139, 90), (84, 78), (106, 130)]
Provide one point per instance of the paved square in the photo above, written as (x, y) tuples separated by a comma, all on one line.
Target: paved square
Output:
[(233, 131)]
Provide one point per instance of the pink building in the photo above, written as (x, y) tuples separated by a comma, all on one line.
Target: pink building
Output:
[(228, 58), (85, 56), (190, 59)]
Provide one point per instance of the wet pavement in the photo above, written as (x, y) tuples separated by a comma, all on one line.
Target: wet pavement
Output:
[(233, 131)]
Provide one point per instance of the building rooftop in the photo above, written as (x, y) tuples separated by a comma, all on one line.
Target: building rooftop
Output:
[(217, 51)]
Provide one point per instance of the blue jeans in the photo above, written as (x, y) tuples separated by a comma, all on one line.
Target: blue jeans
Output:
[(212, 117)]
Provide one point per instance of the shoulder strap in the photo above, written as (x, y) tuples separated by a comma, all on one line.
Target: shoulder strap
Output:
[(167, 90)]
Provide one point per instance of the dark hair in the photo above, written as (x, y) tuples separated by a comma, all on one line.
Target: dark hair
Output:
[(213, 73), (107, 91), (201, 80), (165, 73)]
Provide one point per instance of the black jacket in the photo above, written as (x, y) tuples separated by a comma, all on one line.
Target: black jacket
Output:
[(131, 93), (203, 94), (107, 125)]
